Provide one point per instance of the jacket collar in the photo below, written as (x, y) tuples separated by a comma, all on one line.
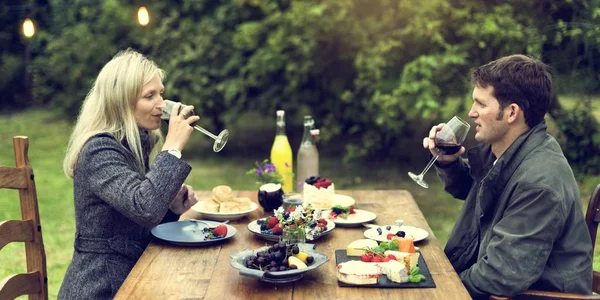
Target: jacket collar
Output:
[(494, 177)]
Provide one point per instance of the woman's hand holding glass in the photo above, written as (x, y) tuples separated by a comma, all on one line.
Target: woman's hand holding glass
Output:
[(180, 127)]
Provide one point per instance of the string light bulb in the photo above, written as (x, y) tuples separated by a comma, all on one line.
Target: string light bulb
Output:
[(143, 16), (28, 28)]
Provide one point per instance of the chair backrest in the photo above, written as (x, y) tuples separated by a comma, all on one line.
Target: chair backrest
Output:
[(28, 230), (592, 218)]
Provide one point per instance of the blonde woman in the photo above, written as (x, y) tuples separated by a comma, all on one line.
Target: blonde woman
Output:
[(119, 195)]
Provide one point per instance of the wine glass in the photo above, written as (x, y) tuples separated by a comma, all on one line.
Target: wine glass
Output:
[(447, 141), (220, 140)]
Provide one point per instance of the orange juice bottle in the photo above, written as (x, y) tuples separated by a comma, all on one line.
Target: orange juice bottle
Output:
[(281, 154)]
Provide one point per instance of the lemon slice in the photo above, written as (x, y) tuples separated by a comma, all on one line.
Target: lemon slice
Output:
[(302, 256), (293, 261)]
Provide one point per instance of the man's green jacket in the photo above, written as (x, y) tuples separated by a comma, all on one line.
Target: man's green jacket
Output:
[(522, 224)]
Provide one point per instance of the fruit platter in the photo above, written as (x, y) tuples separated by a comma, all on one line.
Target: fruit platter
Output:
[(305, 220), (279, 263)]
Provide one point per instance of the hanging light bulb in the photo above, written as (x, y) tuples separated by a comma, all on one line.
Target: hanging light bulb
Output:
[(143, 16), (28, 28)]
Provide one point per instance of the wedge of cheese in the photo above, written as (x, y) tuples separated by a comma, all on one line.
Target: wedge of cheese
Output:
[(360, 247), (358, 272), (410, 260), (395, 271)]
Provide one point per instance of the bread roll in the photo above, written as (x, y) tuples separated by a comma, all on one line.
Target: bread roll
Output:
[(210, 205), (222, 193)]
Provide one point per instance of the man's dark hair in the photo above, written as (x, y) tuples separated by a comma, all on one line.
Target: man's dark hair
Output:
[(518, 79)]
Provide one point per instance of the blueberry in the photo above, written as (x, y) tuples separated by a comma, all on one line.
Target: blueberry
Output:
[(337, 210), (379, 231), (401, 233), (388, 228)]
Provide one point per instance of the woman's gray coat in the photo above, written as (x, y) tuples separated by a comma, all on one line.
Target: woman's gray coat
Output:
[(115, 209)]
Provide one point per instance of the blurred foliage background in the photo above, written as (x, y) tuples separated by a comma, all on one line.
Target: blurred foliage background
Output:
[(375, 75)]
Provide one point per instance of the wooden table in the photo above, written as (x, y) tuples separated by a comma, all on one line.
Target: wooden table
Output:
[(174, 272)]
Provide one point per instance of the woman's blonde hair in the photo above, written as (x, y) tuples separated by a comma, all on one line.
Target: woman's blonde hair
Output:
[(109, 107)]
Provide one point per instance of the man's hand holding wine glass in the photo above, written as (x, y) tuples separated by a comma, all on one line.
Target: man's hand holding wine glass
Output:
[(429, 142)]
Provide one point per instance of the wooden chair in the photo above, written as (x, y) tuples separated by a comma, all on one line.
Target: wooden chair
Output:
[(592, 218), (35, 282)]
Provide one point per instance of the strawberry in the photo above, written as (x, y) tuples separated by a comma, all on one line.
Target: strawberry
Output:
[(322, 222), (277, 230), (377, 259), (351, 210), (366, 258), (390, 257), (272, 222), (221, 230), (291, 209), (390, 236)]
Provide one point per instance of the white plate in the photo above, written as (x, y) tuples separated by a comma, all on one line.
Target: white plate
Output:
[(339, 199), (189, 233), (416, 233), (255, 228), (358, 218), (223, 216)]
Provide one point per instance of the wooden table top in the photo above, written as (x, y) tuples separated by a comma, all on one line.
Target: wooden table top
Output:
[(168, 271)]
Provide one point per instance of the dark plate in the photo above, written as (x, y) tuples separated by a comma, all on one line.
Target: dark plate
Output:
[(340, 257), (189, 233)]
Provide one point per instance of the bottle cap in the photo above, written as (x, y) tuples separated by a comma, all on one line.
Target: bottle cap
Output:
[(314, 132), (280, 113)]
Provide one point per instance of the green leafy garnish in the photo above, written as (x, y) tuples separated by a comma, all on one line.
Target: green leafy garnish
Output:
[(414, 276)]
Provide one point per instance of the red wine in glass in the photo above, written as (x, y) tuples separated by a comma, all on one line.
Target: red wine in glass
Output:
[(447, 148), (448, 141)]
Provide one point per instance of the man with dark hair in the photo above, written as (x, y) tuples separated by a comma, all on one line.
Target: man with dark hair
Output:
[(522, 225)]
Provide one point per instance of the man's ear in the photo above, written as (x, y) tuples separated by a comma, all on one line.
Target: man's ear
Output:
[(514, 113)]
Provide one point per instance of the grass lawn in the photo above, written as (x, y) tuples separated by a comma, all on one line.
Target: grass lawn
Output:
[(48, 138)]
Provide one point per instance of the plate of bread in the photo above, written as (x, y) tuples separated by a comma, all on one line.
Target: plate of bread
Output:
[(223, 205)]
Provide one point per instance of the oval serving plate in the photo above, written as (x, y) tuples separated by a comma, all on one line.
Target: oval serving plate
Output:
[(198, 207), (189, 232), (416, 233), (237, 261), (255, 228), (357, 219)]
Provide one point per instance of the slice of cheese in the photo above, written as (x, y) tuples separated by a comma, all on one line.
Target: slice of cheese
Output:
[(360, 247), (409, 259)]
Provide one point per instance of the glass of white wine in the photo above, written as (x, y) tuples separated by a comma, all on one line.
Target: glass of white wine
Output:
[(220, 140)]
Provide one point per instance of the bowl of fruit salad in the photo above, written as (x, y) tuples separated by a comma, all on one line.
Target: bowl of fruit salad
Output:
[(278, 263), (304, 219)]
